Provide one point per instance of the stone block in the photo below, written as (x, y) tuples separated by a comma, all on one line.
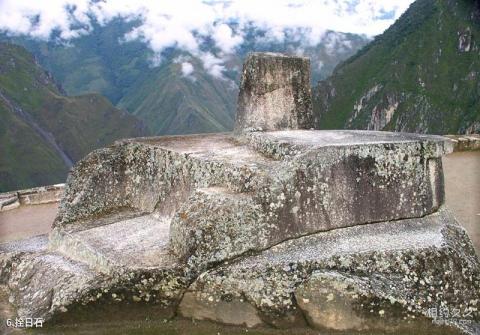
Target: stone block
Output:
[(280, 185), (237, 312), (378, 276), (340, 230), (78, 272), (274, 93), (215, 224)]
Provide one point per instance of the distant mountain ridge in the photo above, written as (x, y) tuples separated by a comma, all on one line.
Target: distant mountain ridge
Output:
[(168, 101), (43, 132), (172, 104), (422, 75)]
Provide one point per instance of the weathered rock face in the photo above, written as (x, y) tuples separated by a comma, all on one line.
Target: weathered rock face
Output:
[(43, 283), (48, 283), (155, 174), (357, 278), (226, 195), (274, 93), (295, 227)]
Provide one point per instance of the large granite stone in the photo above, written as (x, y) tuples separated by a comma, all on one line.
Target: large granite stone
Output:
[(156, 174), (130, 248), (333, 229), (377, 276), (215, 225), (111, 262), (219, 189), (41, 283), (274, 93)]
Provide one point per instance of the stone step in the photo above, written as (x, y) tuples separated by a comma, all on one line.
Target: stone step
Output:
[(128, 244), (105, 263), (140, 174), (55, 288)]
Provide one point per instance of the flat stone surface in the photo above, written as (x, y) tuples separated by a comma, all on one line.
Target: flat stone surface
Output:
[(323, 138), (108, 262), (130, 244), (213, 147), (406, 234), (233, 148), (31, 244)]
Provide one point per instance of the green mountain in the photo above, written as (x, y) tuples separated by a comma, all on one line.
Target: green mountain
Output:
[(165, 99), (422, 75), (42, 131), (96, 63), (171, 103)]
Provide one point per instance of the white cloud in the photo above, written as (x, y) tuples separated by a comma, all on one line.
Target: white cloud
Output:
[(225, 38), (319, 65), (186, 23), (40, 19), (336, 42), (212, 64), (187, 69)]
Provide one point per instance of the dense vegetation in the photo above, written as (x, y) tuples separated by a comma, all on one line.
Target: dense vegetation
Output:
[(158, 94), (421, 75), (42, 131)]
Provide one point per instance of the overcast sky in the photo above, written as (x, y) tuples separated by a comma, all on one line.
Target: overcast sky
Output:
[(182, 23)]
